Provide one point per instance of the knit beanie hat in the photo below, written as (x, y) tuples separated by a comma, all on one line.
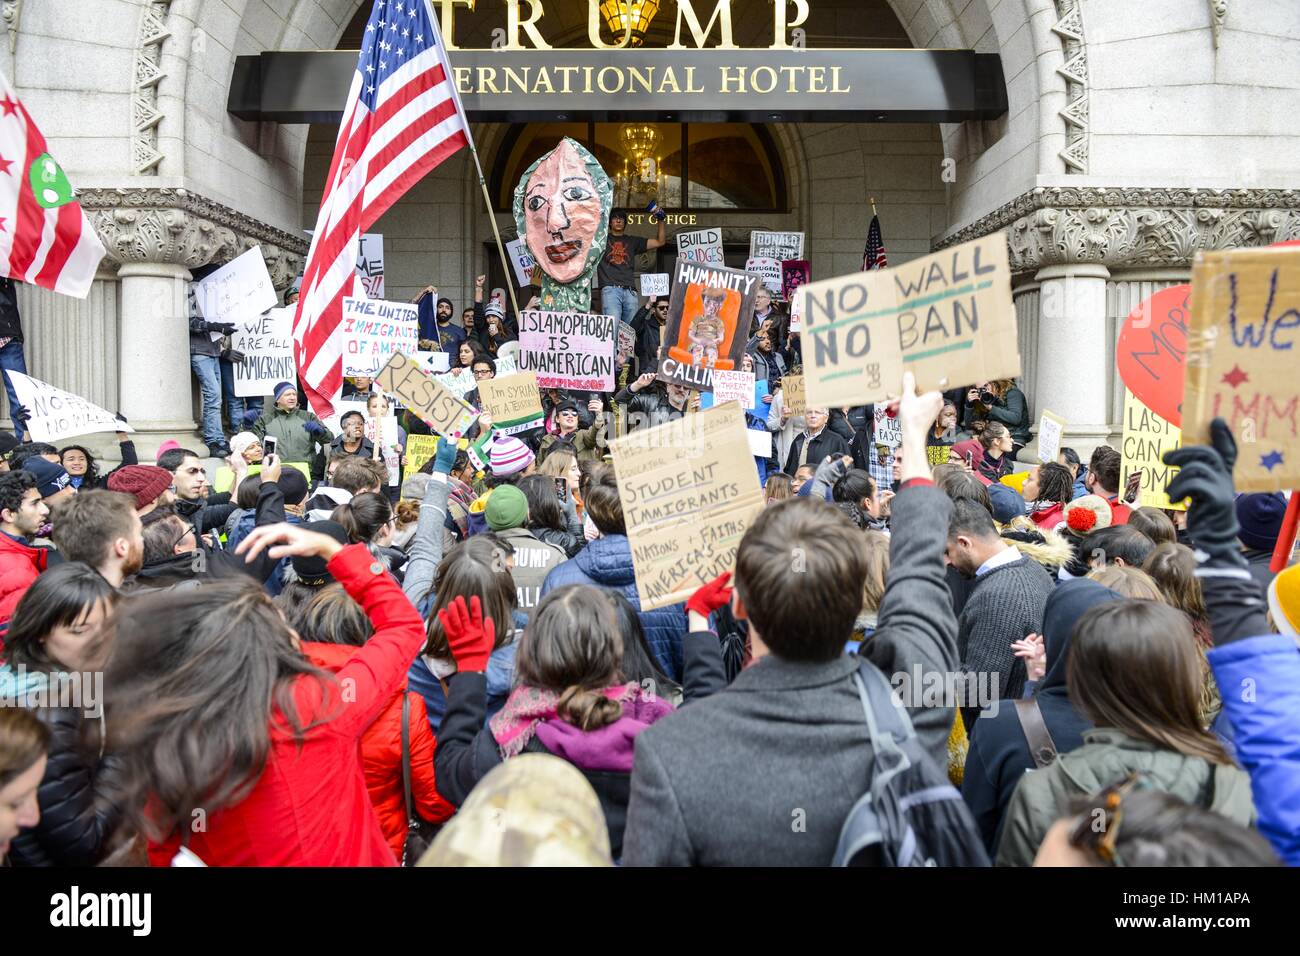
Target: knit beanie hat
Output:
[(495, 308), (1284, 600), (1260, 516), (50, 478), (311, 570), (509, 456), (169, 445), (144, 482), (239, 444), (1087, 513), (506, 508), (7, 444), (283, 387)]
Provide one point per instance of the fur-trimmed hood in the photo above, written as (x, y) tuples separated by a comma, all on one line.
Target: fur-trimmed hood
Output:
[(1049, 548)]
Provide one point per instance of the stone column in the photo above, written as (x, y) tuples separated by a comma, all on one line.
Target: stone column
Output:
[(154, 353), (1075, 355)]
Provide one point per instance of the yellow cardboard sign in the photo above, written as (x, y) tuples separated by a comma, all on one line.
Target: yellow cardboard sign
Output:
[(1146, 438)]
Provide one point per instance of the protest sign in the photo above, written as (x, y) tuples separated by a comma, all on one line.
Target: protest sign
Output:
[(795, 273), (752, 404), (769, 270), (851, 352), (238, 290), (689, 490), (56, 414), (1147, 436), (796, 312), (794, 394), (334, 421), (436, 362), (1151, 349), (267, 344), (781, 246), (419, 449), (374, 330), (514, 402), (568, 349), (387, 440), (1241, 361), (460, 382), (889, 431), (654, 283), (424, 396), (708, 321), (760, 442), (702, 245), (370, 265), (1050, 429), (733, 387), (522, 261), (626, 343)]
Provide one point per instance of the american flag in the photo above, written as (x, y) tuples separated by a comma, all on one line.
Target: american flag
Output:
[(403, 117), (45, 237), (874, 256)]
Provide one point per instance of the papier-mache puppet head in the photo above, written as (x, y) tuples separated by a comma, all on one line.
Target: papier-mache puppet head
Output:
[(561, 207)]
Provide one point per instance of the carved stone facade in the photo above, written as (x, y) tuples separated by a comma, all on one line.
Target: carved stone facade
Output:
[(11, 12), (1132, 227), (182, 228), (1218, 16), (145, 115), (1069, 27)]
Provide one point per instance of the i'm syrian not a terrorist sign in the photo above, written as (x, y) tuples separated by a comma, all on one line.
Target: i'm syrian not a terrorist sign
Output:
[(374, 331), (56, 414)]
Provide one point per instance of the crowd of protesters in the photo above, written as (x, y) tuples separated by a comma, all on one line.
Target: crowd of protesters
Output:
[(336, 659)]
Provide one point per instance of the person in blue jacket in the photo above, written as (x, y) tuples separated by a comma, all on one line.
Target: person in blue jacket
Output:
[(1258, 672)]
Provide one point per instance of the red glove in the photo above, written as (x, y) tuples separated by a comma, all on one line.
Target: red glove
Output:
[(469, 635), (709, 597)]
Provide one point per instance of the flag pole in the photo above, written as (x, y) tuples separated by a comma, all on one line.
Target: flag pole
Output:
[(873, 206)]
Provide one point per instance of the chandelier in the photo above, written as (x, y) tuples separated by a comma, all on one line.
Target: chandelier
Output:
[(639, 140), (641, 174), (618, 13)]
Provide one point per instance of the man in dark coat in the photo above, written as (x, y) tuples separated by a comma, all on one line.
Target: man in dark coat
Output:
[(811, 446)]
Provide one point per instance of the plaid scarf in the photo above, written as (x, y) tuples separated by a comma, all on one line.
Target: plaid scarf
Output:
[(528, 707)]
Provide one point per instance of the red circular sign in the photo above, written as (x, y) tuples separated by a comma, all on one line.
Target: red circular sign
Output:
[(1152, 347)]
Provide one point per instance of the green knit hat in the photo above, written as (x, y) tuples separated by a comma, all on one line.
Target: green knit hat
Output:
[(506, 508)]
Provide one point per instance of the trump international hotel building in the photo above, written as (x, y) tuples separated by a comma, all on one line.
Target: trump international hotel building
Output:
[(1109, 139)]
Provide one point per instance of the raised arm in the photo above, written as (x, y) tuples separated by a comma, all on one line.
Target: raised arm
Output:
[(466, 750), (425, 550)]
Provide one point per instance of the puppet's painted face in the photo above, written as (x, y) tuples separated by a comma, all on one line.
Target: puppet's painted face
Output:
[(563, 212)]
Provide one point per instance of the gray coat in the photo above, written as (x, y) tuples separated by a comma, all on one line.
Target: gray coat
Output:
[(764, 772)]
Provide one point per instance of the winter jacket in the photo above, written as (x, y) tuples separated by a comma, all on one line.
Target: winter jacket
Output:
[(649, 333), (1106, 757), (20, 565), (1048, 518), (293, 442), (381, 755), (78, 814), (716, 783), (310, 805), (1011, 410), (587, 444), (647, 408), (11, 322), (1051, 549), (567, 541), (366, 450), (607, 563), (126, 449), (533, 561), (207, 514), (783, 435), (826, 442)]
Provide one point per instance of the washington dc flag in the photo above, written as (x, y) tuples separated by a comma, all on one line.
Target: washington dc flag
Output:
[(45, 238)]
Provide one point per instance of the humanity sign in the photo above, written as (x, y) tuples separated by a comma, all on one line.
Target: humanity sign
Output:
[(708, 319), (424, 396), (568, 349), (689, 490)]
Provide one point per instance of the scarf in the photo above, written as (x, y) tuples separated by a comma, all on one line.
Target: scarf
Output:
[(528, 707)]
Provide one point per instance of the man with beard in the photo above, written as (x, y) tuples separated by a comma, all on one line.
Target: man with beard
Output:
[(22, 514), (435, 314), (101, 529)]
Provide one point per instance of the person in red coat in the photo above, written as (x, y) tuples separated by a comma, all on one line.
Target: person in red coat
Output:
[(333, 627), (236, 745), (1047, 490), (22, 513)]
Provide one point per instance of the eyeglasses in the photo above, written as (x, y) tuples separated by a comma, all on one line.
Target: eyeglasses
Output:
[(482, 373), (1102, 839)]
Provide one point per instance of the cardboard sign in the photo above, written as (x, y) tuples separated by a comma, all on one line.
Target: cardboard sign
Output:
[(1242, 361), (419, 449), (514, 402), (733, 387), (241, 289), (796, 312), (767, 269), (56, 414), (949, 314), (384, 435), (1151, 350), (568, 349), (521, 260), (889, 430), (760, 442), (794, 394), (425, 397), (794, 274), (708, 321), (703, 245), (689, 490), (654, 283), (374, 330), (780, 246), (1147, 436), (370, 264), (1051, 428), (267, 344)]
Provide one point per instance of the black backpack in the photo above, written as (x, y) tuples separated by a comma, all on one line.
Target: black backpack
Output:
[(911, 815)]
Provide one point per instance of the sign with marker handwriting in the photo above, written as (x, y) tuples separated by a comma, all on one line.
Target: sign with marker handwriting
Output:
[(1147, 436), (56, 414), (794, 394), (267, 344), (568, 349), (424, 396), (733, 387), (851, 354), (1242, 361), (1051, 429), (514, 402), (689, 490), (373, 330)]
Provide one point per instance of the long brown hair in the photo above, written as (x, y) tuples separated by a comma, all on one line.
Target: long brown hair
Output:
[(197, 681), (573, 646), (23, 741), (1173, 568), (477, 566), (332, 617), (1134, 666)]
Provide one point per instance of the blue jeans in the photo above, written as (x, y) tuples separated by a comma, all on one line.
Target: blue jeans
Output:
[(207, 369), (11, 359), (234, 404), (619, 302)]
